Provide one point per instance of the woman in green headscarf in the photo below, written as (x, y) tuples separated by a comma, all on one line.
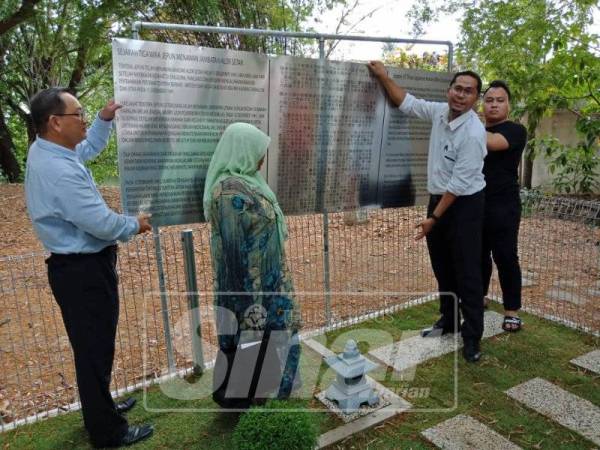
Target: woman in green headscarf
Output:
[(253, 290)]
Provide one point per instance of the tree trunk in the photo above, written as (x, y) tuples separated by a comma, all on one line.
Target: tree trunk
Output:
[(527, 173), (31, 133), (8, 162)]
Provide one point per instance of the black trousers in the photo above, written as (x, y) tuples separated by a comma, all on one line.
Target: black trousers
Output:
[(454, 245), (85, 287), (500, 238)]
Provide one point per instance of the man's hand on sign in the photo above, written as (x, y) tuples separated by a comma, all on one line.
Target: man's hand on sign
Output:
[(144, 222), (109, 110), (377, 68)]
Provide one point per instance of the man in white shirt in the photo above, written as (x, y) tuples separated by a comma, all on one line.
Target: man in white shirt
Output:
[(453, 227)]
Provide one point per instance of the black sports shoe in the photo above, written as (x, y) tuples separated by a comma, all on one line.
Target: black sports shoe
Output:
[(471, 350), (441, 327), (135, 434)]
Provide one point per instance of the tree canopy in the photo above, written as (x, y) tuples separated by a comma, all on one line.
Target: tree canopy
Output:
[(544, 49), (546, 52), (48, 43)]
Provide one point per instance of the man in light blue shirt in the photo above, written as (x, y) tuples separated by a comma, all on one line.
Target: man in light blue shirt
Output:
[(453, 227), (74, 223)]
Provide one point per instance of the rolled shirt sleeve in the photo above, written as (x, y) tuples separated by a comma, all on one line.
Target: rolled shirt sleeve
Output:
[(79, 204), (468, 166), (420, 108)]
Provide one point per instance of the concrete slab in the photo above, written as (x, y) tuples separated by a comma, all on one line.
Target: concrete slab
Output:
[(571, 411), (465, 433), (565, 283), (342, 432), (364, 409), (408, 353), (527, 282), (590, 361), (565, 296)]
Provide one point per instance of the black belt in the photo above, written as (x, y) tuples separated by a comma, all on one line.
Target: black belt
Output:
[(111, 249)]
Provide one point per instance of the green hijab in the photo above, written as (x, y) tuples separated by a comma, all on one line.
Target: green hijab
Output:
[(238, 152)]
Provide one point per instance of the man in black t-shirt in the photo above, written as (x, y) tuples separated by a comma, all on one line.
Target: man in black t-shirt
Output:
[(505, 143)]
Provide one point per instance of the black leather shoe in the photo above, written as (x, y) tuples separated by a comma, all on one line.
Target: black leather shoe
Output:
[(125, 405), (471, 351), (440, 328), (135, 434)]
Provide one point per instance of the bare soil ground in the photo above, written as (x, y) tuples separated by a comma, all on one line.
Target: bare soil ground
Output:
[(372, 266)]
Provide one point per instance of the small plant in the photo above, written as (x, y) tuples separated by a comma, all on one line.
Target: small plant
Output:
[(576, 168), (262, 428), (530, 199)]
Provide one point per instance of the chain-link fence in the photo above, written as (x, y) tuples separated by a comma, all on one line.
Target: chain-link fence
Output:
[(559, 250), (371, 267)]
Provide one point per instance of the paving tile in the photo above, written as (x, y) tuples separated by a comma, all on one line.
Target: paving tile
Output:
[(571, 411), (465, 433), (408, 353), (590, 361)]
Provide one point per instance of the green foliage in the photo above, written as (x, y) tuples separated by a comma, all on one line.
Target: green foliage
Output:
[(546, 52), (67, 43), (398, 57), (261, 429), (288, 15), (576, 169), (530, 198), (18, 133)]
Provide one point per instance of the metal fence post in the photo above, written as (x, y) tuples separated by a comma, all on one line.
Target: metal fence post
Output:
[(164, 300), (136, 30), (187, 241), (326, 272)]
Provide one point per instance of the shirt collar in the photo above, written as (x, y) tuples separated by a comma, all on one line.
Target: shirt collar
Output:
[(56, 149), (454, 124)]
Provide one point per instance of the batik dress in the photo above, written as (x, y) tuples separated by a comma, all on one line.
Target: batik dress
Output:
[(253, 287)]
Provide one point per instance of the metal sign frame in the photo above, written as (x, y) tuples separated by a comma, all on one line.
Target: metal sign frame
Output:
[(187, 242)]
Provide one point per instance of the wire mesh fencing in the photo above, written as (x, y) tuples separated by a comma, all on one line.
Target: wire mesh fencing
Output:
[(346, 268), (559, 252)]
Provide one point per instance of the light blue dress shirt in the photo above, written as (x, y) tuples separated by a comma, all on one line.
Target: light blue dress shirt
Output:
[(456, 148), (68, 213)]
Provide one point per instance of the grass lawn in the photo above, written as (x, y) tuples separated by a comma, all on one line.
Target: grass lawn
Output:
[(542, 349)]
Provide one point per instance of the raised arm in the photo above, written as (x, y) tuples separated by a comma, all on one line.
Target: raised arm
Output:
[(98, 133), (496, 142), (394, 91)]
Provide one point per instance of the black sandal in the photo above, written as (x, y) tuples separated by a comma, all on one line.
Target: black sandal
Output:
[(511, 324)]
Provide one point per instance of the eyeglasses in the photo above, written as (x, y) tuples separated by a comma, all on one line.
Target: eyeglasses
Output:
[(462, 91), (81, 114)]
